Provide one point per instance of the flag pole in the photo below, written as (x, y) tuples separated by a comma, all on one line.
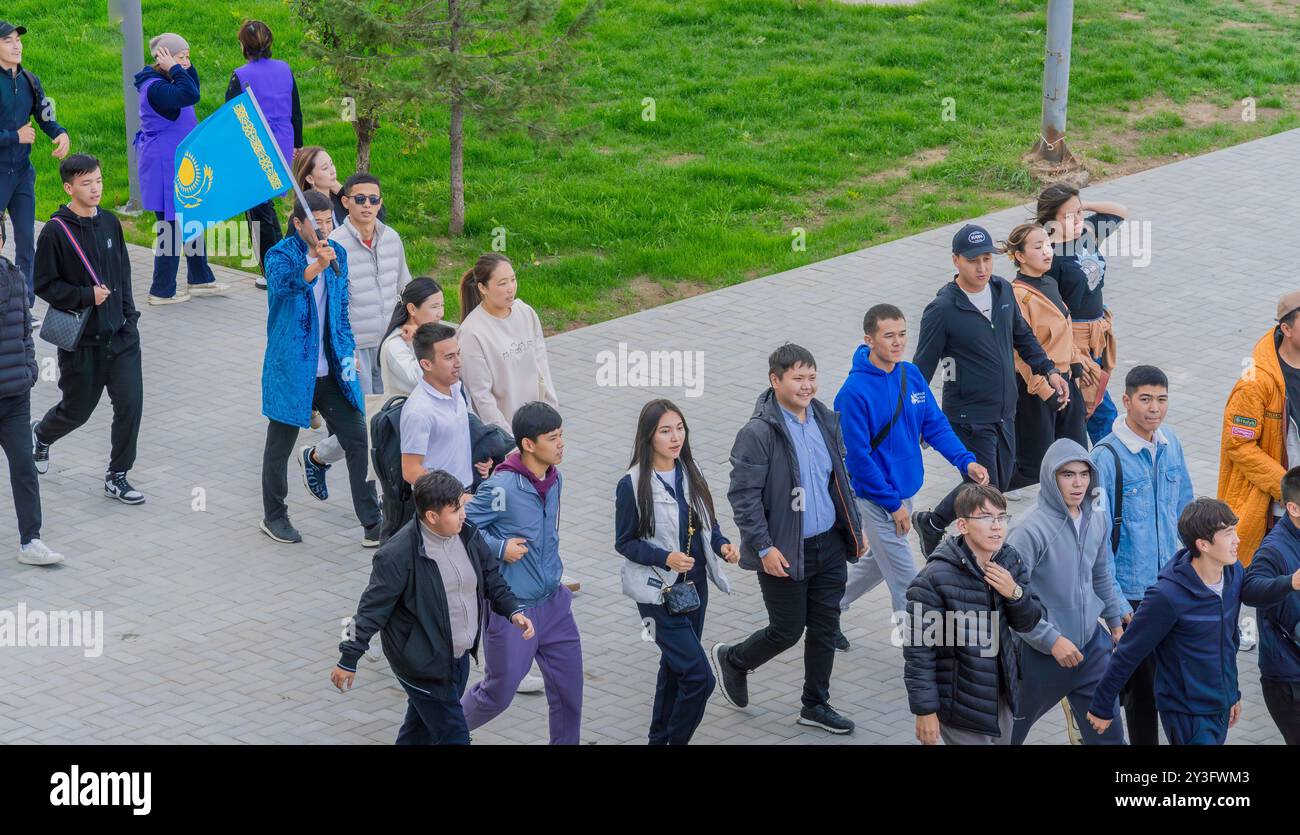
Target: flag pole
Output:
[(297, 189)]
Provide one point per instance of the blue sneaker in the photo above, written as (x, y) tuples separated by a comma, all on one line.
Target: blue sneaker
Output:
[(313, 474)]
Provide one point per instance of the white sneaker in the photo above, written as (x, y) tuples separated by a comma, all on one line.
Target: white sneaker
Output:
[(1013, 495), (531, 684), (1247, 643), (38, 553), (212, 288)]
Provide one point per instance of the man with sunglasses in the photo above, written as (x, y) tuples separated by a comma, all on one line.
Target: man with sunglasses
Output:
[(960, 665), (1064, 543)]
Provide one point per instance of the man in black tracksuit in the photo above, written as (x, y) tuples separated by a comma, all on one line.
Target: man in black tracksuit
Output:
[(973, 325), (430, 586), (21, 100), (799, 528), (108, 354)]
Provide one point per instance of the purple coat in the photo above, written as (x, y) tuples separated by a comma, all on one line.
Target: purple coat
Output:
[(156, 143), (272, 83)]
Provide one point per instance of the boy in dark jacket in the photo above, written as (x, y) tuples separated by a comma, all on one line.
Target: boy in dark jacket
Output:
[(790, 498), (1272, 586), (429, 586), (960, 664), (21, 100), (1188, 618), (82, 264), (18, 373), (974, 325)]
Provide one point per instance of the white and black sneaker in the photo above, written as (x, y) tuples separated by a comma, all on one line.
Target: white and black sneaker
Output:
[(40, 451), (117, 487)]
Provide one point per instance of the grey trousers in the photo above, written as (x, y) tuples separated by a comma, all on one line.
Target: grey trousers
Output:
[(957, 736), (330, 451), (890, 558)]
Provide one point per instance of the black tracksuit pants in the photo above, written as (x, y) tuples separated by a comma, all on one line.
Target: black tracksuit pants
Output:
[(16, 439), (994, 447), (84, 375)]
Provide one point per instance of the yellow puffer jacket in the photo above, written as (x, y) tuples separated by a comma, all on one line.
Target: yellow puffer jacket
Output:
[(1252, 449)]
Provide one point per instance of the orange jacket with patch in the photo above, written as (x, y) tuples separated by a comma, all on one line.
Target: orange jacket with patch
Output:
[(1252, 450), (1054, 332)]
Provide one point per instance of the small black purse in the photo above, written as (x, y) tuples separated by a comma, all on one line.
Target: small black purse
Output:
[(682, 597), (63, 328)]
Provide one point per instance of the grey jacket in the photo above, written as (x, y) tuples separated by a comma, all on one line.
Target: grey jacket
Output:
[(1073, 575), (764, 481), (376, 276)]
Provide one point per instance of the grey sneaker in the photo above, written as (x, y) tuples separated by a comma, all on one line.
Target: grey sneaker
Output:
[(38, 553), (280, 530), (732, 681)]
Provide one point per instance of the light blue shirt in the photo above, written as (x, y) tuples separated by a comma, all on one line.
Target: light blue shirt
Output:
[(814, 472)]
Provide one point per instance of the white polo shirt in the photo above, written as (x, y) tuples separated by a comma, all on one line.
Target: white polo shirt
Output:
[(436, 426)]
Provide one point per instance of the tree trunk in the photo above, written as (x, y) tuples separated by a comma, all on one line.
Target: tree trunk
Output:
[(456, 134), (365, 130)]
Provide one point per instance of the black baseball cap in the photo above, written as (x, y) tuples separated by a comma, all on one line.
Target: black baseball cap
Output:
[(972, 240), (6, 28)]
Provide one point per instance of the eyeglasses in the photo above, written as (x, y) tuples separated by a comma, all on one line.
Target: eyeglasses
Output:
[(1001, 519), (361, 199)]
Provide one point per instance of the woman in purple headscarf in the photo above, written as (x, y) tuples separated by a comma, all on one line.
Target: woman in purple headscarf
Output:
[(168, 90)]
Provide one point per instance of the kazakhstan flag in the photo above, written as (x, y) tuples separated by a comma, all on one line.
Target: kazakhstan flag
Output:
[(228, 164)]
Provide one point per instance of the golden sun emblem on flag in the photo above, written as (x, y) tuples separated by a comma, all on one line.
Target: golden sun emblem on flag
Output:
[(191, 184)]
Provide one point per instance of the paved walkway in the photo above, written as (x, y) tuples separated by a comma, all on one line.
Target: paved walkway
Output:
[(216, 634)]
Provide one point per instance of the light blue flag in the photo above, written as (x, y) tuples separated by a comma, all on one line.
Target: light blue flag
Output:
[(228, 164)]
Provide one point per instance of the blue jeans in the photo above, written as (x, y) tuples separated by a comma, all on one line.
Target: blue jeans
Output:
[(165, 267), (434, 717), (685, 677), (18, 199), (1103, 417)]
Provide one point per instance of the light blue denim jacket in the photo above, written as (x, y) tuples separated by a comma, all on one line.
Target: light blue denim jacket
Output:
[(1156, 489)]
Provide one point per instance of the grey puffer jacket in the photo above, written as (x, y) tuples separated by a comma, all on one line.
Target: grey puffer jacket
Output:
[(376, 276)]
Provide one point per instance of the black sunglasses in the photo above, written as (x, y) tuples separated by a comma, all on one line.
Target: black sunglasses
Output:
[(361, 199)]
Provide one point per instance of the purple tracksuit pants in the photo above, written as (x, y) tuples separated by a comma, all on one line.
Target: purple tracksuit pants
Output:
[(507, 658)]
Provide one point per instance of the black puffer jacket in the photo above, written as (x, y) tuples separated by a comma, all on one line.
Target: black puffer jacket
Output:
[(961, 683), (18, 367)]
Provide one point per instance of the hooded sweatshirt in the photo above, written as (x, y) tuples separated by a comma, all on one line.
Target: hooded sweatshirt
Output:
[(866, 402), (61, 278), (1193, 632), (515, 463), (1070, 568)]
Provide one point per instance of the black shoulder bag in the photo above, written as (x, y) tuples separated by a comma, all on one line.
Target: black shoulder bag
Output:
[(1117, 503), (898, 410)]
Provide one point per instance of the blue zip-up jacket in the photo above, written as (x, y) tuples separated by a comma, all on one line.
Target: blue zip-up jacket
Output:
[(292, 328), (179, 89), (1155, 492), (1194, 635), (866, 402), (1268, 588), (507, 505), (21, 100)]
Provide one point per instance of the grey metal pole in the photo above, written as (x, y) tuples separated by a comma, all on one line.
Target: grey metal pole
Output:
[(126, 13), (1050, 146)]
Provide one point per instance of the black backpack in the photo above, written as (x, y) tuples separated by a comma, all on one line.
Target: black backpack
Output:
[(386, 455), (1117, 500)]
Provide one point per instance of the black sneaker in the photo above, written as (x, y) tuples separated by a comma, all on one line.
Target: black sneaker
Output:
[(313, 474), (733, 681), (929, 535), (117, 487), (825, 717), (280, 530), (841, 643), (370, 535), (40, 452)]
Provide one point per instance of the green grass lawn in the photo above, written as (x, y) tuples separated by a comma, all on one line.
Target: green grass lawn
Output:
[(770, 115)]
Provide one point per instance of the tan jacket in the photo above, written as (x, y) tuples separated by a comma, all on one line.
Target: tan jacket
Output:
[(1054, 332)]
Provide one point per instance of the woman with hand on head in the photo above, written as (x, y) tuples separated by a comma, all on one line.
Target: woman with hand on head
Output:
[(662, 511)]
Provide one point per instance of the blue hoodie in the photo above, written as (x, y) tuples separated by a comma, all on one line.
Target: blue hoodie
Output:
[(866, 403), (1194, 634)]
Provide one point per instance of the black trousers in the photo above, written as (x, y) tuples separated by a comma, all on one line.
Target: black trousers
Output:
[(343, 421), (812, 603), (16, 439), (84, 375), (435, 717), (1138, 697), (1039, 424), (1282, 698), (264, 224), (994, 447)]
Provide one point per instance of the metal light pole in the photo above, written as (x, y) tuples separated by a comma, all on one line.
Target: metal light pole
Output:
[(126, 13), (1050, 146)]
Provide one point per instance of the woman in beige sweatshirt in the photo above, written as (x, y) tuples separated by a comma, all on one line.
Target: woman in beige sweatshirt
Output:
[(503, 352)]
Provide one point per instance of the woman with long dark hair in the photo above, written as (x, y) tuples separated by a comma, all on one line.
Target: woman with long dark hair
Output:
[(421, 303), (662, 510), (502, 346)]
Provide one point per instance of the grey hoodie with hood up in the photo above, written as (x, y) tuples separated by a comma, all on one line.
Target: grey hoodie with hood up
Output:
[(1072, 572)]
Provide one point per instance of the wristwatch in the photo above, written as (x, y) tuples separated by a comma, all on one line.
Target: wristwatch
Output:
[(1017, 594)]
